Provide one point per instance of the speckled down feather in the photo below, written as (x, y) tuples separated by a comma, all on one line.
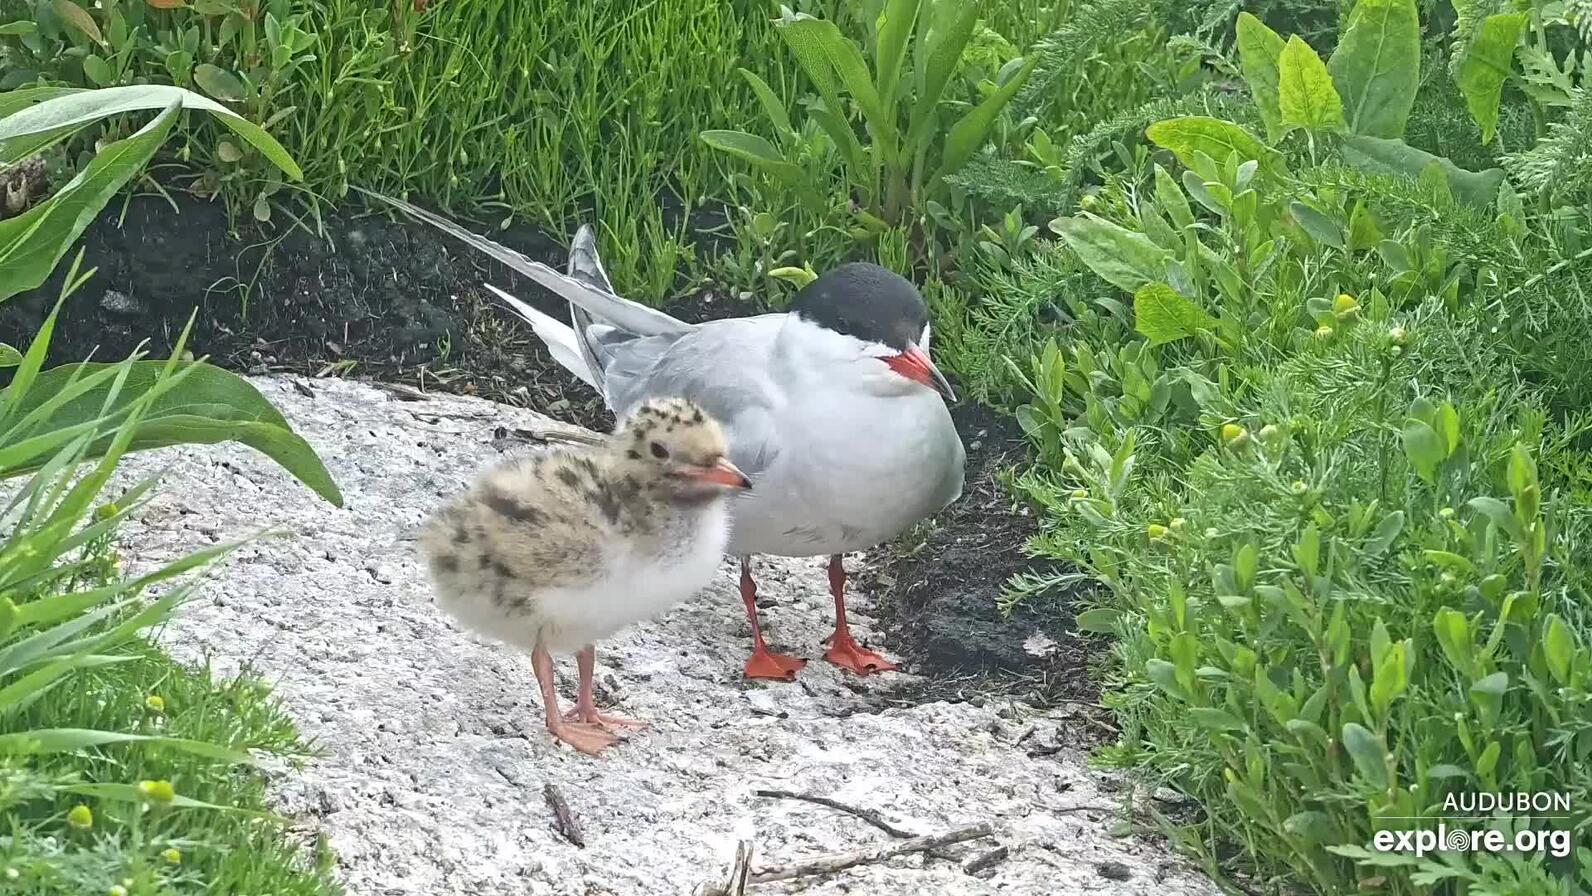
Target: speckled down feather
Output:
[(569, 545)]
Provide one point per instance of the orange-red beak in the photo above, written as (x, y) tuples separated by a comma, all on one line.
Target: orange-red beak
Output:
[(915, 365), (722, 473)]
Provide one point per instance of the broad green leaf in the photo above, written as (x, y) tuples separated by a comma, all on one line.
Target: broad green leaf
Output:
[(1385, 533), (210, 405), (820, 41), (1100, 620), (1305, 95), (1479, 189), (772, 106), (1161, 315), (1453, 635), (1216, 719), (1171, 199), (69, 740), (1484, 66), (1501, 514), (1368, 753), (972, 131), (220, 83), (890, 50), (1424, 448), (1390, 680), (59, 112), (1259, 48), (32, 243), (1377, 66), (754, 149), (1121, 257), (1183, 137), (78, 18), (1558, 648), (1322, 228), (1164, 675), (938, 53), (9, 356)]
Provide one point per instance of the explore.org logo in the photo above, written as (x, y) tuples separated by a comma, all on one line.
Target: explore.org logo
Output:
[(1554, 839)]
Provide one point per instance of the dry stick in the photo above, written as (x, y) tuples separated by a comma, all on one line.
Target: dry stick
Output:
[(868, 815), (985, 860), (842, 861), (564, 821)]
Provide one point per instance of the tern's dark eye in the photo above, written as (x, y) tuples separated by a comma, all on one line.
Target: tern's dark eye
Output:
[(659, 451)]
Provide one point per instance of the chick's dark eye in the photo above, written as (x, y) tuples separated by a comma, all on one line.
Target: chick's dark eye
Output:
[(659, 451)]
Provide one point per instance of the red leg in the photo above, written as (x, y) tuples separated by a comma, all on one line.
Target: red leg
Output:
[(764, 663), (588, 739), (586, 704), (843, 650)]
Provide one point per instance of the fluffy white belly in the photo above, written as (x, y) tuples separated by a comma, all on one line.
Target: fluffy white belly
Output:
[(632, 588), (846, 485)]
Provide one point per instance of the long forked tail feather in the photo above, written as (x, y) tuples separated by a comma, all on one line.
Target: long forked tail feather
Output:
[(584, 264), (601, 304), (562, 343)]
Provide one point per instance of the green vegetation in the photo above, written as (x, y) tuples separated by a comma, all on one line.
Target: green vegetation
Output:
[(1290, 297), (118, 767)]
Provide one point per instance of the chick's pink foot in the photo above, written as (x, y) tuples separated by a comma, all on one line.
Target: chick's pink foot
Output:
[(603, 720), (585, 737), (849, 655)]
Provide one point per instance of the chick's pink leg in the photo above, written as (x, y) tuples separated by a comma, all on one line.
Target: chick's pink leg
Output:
[(843, 650), (586, 704), (764, 663), (587, 738)]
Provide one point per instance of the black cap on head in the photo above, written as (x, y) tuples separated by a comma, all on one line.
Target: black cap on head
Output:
[(866, 301)]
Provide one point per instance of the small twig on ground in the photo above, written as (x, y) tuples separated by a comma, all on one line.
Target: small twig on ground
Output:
[(734, 883), (402, 392), (985, 860), (564, 436), (564, 821), (868, 815), (842, 861)]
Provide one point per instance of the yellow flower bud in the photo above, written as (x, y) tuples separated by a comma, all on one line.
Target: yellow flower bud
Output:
[(1156, 531), (1078, 494), (81, 817), (117, 890), (155, 704), (1177, 523), (1323, 332), (1299, 487), (1232, 432), (1399, 335), (159, 791), (172, 856), (1344, 303)]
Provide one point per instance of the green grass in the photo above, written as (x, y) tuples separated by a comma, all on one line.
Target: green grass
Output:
[(217, 851)]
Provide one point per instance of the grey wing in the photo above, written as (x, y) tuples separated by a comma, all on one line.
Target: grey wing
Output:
[(722, 366)]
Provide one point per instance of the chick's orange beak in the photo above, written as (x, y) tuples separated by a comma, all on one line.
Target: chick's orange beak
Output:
[(915, 365), (721, 473)]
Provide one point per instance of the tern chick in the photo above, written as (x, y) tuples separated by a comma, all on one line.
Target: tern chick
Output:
[(555, 550)]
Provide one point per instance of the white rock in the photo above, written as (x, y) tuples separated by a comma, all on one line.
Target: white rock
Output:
[(434, 757)]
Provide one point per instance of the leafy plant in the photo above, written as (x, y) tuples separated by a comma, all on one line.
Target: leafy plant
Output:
[(1311, 458), (69, 620), (897, 91)]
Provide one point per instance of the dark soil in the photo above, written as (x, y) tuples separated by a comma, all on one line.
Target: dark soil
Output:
[(940, 586), (393, 301), (367, 297)]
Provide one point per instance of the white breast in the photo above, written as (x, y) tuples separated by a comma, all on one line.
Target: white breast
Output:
[(851, 476)]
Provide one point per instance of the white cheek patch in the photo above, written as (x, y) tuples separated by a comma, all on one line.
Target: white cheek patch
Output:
[(923, 343)]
